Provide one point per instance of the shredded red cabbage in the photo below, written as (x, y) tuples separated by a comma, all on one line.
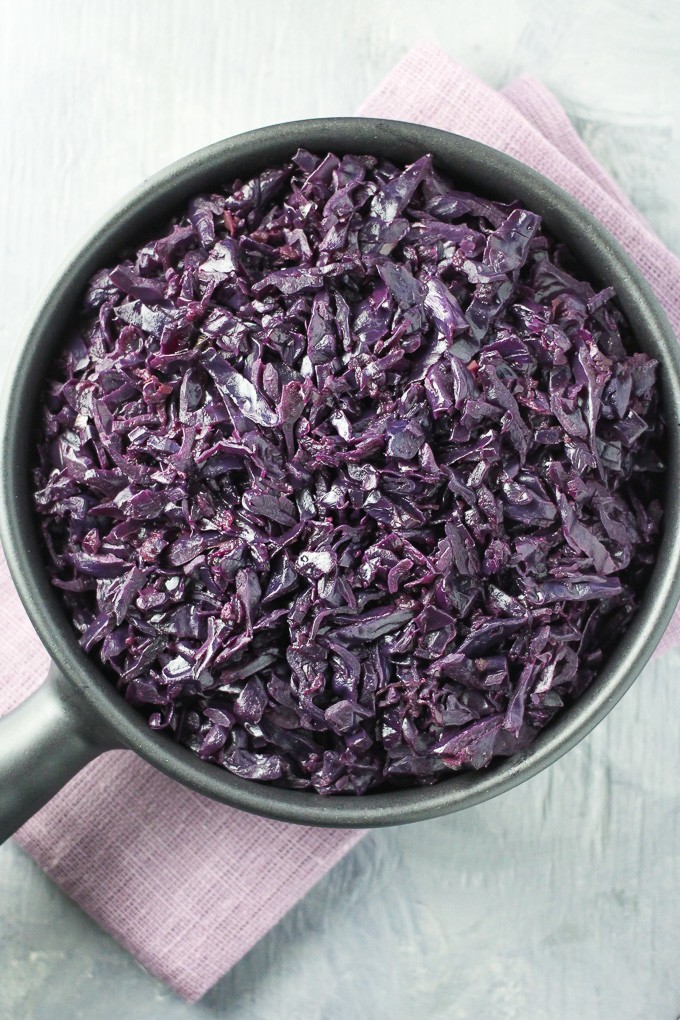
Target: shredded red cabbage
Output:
[(349, 479)]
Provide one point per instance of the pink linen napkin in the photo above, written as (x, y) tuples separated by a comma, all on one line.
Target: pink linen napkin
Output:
[(186, 885)]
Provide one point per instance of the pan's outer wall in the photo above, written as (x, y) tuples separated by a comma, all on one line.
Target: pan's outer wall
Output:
[(472, 165)]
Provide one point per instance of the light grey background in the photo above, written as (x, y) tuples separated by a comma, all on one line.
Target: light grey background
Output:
[(561, 899)]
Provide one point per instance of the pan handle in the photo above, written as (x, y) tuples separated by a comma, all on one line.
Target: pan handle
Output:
[(42, 746)]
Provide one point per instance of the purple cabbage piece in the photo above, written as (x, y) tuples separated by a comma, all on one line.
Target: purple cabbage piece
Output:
[(349, 481)]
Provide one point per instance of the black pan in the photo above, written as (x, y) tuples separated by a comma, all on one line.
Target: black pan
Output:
[(77, 713)]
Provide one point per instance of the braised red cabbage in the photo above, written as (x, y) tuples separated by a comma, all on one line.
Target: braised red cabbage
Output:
[(349, 479)]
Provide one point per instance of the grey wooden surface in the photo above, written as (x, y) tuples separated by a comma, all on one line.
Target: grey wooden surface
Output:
[(559, 900)]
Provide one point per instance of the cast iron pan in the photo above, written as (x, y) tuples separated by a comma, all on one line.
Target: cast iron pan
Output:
[(77, 713)]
